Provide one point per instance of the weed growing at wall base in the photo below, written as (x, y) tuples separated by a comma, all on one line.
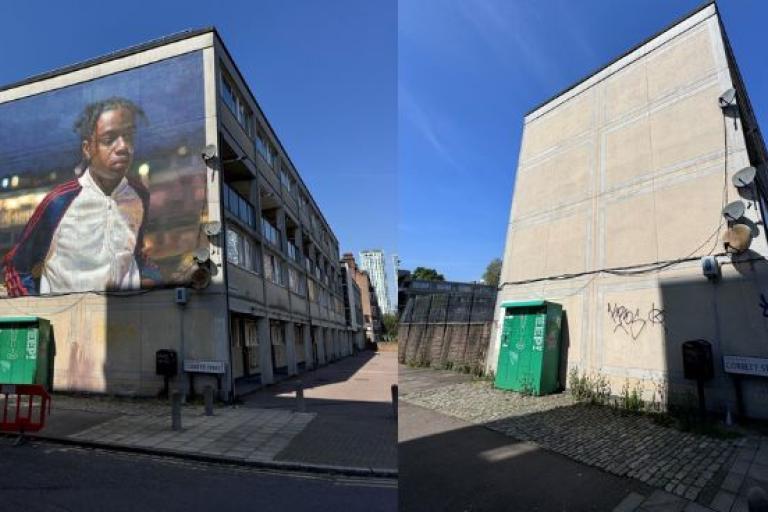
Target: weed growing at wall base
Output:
[(592, 389)]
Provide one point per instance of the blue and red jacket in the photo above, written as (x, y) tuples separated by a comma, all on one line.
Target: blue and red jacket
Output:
[(25, 261)]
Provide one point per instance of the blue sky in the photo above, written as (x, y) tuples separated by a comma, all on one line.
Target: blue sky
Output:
[(469, 71), (323, 72), (347, 83)]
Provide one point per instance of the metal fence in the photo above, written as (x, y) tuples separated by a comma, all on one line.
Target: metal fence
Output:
[(446, 331)]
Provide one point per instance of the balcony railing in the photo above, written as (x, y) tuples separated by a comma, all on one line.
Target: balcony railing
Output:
[(294, 253), (271, 233), (239, 206)]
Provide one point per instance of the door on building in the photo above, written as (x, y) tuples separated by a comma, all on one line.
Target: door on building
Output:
[(301, 354), (245, 346), (236, 335), (279, 359), (251, 347)]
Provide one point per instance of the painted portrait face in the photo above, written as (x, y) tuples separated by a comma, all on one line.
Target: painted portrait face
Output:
[(111, 145)]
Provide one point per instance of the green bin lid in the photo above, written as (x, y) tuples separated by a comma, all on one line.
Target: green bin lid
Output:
[(18, 319), (522, 304)]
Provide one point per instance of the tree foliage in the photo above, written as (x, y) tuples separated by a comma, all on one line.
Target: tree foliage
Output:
[(428, 274), (390, 323), (492, 273)]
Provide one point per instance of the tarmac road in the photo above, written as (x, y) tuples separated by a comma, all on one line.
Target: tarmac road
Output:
[(42, 476), (446, 464)]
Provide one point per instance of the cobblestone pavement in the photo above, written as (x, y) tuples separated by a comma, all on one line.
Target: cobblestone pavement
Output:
[(244, 434), (626, 445)]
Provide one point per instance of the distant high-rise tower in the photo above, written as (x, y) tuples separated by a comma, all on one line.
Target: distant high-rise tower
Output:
[(395, 270), (372, 261)]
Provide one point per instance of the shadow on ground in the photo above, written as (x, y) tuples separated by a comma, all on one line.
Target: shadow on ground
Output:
[(448, 465)]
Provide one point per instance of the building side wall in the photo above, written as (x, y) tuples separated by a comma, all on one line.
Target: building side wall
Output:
[(106, 343), (627, 169)]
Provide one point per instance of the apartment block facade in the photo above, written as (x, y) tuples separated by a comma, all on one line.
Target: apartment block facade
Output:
[(227, 259), (370, 307), (620, 190)]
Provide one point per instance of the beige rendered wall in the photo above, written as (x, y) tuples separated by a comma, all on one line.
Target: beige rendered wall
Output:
[(107, 344), (627, 168)]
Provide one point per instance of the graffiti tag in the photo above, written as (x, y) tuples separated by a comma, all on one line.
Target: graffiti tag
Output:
[(633, 322)]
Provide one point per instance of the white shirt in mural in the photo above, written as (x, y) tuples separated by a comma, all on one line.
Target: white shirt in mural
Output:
[(93, 246)]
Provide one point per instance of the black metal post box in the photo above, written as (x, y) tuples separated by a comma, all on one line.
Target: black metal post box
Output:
[(166, 363), (697, 360)]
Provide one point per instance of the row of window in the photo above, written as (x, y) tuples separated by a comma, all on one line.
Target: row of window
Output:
[(242, 252), (244, 115), (242, 208), (244, 211)]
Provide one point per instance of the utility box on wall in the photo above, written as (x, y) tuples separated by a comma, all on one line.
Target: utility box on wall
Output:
[(529, 357), (26, 351)]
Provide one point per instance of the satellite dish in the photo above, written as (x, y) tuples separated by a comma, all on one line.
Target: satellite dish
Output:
[(733, 211), (209, 152), (744, 177), (200, 278), (202, 255), (727, 99), (738, 238), (212, 228)]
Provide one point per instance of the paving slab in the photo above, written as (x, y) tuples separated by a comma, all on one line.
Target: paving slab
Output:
[(248, 433)]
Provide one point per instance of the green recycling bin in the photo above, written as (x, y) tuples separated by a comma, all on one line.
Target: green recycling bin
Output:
[(26, 351), (529, 356)]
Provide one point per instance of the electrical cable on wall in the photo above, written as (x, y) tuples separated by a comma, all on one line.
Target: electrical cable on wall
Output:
[(646, 268)]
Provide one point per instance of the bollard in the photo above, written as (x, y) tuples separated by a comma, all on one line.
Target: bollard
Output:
[(757, 500), (208, 394), (176, 410), (300, 405), (394, 400)]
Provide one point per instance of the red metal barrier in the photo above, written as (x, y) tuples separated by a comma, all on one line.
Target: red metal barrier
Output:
[(23, 407)]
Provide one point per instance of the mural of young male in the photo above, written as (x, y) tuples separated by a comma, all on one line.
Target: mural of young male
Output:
[(88, 234)]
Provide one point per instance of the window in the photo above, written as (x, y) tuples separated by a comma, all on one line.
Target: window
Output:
[(273, 269), (312, 290), (277, 334), (236, 104), (294, 253), (285, 178), (265, 149), (295, 281), (241, 251)]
